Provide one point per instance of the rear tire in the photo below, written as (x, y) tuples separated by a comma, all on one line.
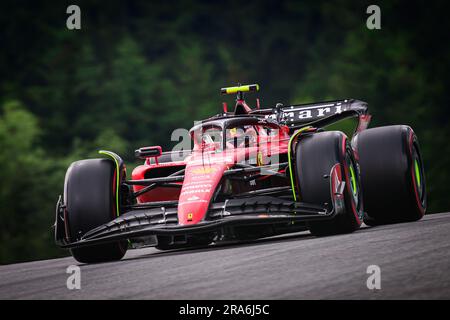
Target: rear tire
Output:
[(89, 196), (392, 175), (316, 155)]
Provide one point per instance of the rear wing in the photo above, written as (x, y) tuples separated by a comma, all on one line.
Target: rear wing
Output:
[(319, 113)]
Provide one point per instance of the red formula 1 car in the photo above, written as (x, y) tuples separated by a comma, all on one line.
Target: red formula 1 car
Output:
[(251, 173)]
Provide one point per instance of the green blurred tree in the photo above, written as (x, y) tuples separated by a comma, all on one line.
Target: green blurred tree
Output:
[(29, 179)]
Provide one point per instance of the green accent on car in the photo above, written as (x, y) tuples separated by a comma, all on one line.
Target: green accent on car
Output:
[(416, 167), (353, 180), (289, 158), (109, 154)]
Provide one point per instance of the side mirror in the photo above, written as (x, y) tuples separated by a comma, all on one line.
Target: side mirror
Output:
[(148, 152)]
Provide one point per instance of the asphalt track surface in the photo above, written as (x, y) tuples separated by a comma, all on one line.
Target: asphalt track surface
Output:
[(414, 259)]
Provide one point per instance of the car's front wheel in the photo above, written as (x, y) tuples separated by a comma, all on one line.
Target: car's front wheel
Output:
[(90, 199)]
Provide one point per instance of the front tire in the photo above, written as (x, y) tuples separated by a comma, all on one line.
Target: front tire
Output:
[(316, 155), (90, 199), (392, 175)]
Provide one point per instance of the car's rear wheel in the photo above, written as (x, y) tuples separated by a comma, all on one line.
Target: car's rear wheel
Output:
[(392, 175), (318, 155), (90, 199)]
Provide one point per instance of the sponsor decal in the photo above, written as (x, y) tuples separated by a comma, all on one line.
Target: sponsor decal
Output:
[(191, 202), (196, 191), (204, 170), (294, 113), (201, 178), (217, 159), (191, 186)]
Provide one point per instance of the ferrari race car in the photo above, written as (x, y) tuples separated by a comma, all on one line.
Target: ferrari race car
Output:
[(250, 173)]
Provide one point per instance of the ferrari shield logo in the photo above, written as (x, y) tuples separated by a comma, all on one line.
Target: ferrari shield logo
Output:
[(259, 159)]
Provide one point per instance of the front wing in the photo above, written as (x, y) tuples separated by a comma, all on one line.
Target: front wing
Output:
[(162, 220)]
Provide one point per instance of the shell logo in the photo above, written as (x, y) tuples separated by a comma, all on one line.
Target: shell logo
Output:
[(204, 170), (233, 132)]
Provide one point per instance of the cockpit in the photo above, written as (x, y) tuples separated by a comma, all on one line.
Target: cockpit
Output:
[(236, 133)]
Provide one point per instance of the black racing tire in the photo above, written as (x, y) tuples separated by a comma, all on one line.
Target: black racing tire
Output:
[(316, 155), (89, 196), (392, 175)]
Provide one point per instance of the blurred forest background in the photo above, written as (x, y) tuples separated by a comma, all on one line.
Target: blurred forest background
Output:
[(139, 69)]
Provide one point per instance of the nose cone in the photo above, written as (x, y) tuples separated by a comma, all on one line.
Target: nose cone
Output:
[(199, 185)]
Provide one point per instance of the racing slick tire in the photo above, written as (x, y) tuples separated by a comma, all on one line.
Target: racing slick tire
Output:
[(89, 196), (392, 175), (316, 155)]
